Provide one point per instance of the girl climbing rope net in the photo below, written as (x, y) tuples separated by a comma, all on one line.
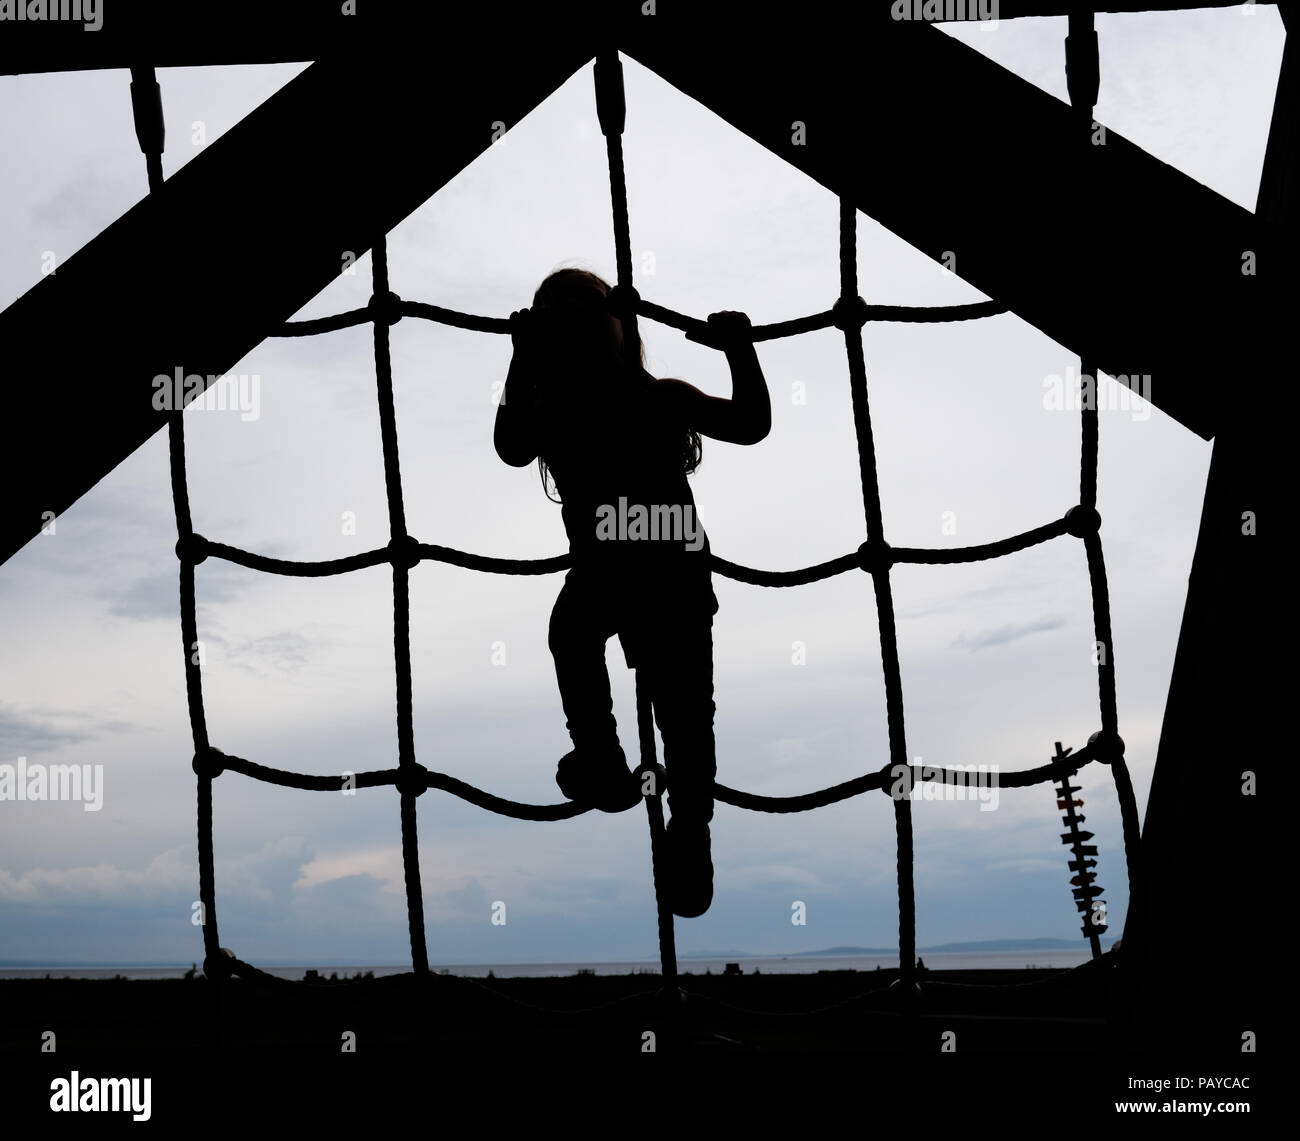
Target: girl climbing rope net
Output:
[(619, 444)]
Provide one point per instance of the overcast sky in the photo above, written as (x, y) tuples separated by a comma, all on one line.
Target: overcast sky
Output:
[(996, 658)]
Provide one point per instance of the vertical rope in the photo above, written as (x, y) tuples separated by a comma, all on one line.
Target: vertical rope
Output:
[(611, 110), (146, 110), (409, 784), (850, 313), (1131, 825), (207, 880), (187, 550), (1083, 78), (382, 313), (1089, 433), (655, 813), (1101, 626), (852, 329), (403, 556)]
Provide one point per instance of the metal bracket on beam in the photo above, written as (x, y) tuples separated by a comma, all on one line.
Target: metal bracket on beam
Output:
[(147, 111), (1082, 64)]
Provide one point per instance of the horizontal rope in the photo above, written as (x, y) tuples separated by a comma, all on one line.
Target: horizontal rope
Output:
[(752, 575), (441, 977), (799, 577), (427, 312), (500, 805), (692, 326), (373, 779), (935, 314), (492, 564), (754, 802), (323, 324), (380, 777), (295, 567), (801, 802), (921, 774), (927, 556), (243, 969)]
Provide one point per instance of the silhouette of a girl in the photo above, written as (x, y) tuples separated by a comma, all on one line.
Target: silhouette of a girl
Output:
[(619, 444)]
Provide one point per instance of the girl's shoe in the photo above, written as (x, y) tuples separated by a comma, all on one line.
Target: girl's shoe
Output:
[(599, 779), (690, 868)]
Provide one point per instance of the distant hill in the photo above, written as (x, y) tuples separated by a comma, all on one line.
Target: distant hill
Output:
[(986, 945), (1014, 945), (712, 955)]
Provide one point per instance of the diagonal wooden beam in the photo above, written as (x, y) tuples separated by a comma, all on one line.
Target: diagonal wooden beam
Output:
[(197, 274), (1125, 260), (168, 34)]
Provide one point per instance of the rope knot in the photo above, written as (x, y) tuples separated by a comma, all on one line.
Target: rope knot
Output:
[(896, 781), (192, 548), (412, 780), (1082, 521), (385, 308), (623, 301), (404, 551), (220, 966), (1107, 747), (208, 764), (875, 555), (651, 778), (849, 313), (906, 992)]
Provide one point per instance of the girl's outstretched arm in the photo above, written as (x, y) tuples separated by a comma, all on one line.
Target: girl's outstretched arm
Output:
[(515, 432), (747, 417)]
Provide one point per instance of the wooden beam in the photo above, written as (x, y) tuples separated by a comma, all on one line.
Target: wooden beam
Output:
[(1107, 250), (1205, 854), (1141, 270), (1018, 9), (299, 31), (196, 275), (188, 35)]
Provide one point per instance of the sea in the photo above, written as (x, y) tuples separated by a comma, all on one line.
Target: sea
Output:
[(1047, 960)]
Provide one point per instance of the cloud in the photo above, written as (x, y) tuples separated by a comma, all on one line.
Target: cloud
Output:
[(343, 903), (157, 595), (1017, 586), (795, 749), (1001, 635), (153, 596), (261, 880), (76, 200), (759, 876), (168, 874), (47, 729), (381, 865), (273, 655)]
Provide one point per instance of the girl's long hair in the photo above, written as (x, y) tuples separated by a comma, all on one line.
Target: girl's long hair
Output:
[(577, 297)]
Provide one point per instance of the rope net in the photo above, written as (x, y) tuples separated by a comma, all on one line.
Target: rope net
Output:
[(896, 778)]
